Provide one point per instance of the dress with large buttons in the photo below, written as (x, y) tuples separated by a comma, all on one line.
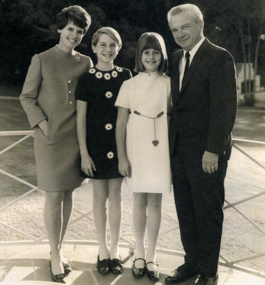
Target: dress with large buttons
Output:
[(49, 94), (100, 90)]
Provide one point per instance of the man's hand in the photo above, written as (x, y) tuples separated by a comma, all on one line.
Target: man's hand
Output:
[(210, 162)]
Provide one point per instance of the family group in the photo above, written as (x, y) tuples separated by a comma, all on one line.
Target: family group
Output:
[(167, 127)]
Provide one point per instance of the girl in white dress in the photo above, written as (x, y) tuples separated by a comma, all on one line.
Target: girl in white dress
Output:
[(143, 149)]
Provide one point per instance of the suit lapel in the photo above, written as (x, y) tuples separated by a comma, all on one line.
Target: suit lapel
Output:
[(175, 79), (197, 58)]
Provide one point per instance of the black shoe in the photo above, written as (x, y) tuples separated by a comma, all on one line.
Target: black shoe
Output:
[(58, 277), (138, 272), (152, 275), (181, 274), (103, 266), (203, 280), (115, 266), (67, 268)]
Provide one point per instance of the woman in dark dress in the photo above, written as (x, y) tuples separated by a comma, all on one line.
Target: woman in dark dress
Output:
[(96, 94)]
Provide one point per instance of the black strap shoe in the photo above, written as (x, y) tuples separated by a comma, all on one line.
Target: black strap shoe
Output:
[(103, 266), (115, 266), (138, 272), (152, 275)]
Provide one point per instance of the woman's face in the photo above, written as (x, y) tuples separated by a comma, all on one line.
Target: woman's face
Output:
[(151, 59), (70, 36)]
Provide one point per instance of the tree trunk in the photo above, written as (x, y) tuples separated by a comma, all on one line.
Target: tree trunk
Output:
[(245, 61), (249, 59), (256, 56)]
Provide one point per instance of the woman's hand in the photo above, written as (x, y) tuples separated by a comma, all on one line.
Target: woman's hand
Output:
[(88, 166), (44, 127), (125, 167)]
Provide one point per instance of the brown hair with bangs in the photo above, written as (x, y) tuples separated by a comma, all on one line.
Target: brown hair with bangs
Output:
[(151, 40)]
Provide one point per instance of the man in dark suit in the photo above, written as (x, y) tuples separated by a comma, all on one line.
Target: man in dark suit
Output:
[(204, 97)]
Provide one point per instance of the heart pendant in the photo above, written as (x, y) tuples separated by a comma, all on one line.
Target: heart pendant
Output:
[(155, 142)]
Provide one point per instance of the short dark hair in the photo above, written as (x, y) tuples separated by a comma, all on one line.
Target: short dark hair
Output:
[(147, 41), (74, 13)]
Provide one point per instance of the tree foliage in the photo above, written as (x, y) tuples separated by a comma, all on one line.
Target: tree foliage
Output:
[(28, 26)]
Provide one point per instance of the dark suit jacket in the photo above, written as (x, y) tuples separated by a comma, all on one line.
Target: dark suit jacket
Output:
[(204, 111)]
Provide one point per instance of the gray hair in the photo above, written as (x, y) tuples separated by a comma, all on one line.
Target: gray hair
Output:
[(185, 8)]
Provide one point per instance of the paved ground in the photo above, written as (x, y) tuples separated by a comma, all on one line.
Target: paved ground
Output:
[(239, 240), (29, 265)]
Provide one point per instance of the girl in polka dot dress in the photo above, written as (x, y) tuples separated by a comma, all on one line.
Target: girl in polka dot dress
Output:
[(96, 94)]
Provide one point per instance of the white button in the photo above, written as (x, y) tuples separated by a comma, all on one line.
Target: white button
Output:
[(110, 155), (108, 127), (108, 94)]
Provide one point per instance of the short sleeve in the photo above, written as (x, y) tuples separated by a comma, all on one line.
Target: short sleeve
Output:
[(81, 92), (123, 96)]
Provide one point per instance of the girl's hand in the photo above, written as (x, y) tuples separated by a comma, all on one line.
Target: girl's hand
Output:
[(88, 166), (124, 167)]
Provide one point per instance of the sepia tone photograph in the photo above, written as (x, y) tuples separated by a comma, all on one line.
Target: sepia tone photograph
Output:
[(132, 142)]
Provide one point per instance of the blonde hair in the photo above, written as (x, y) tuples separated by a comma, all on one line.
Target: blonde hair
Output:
[(112, 33), (147, 41)]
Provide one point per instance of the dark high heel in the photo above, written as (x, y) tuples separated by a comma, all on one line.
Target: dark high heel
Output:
[(66, 266), (138, 272), (103, 266), (58, 277), (152, 275)]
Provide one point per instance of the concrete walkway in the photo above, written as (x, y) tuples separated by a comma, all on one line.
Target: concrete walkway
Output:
[(29, 264)]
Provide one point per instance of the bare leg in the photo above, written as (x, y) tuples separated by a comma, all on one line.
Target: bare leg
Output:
[(100, 195), (154, 215), (115, 212), (53, 223), (139, 221), (67, 211)]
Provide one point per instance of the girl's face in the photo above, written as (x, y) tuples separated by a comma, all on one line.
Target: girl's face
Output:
[(151, 59), (70, 36), (106, 49)]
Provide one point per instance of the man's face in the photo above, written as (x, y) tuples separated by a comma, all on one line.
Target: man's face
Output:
[(185, 30)]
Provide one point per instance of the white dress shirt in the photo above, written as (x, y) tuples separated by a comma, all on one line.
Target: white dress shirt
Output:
[(182, 62)]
